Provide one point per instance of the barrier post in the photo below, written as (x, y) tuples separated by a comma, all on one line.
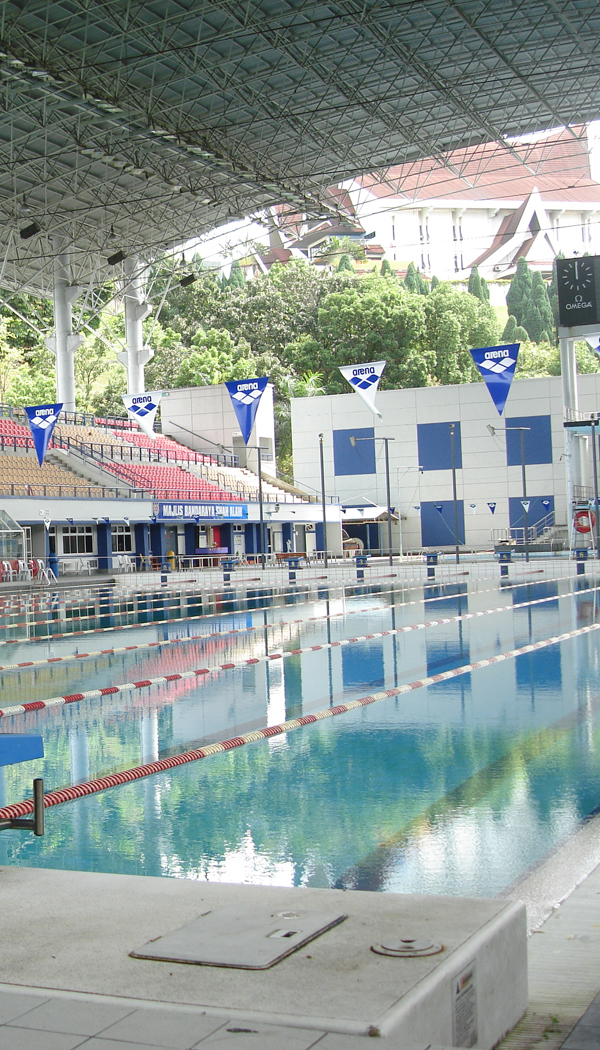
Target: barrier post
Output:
[(361, 563), (432, 560), (293, 565), (504, 558), (228, 565), (580, 555)]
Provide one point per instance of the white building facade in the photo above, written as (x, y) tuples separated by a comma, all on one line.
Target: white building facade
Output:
[(488, 466)]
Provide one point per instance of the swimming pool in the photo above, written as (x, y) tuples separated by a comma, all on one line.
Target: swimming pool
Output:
[(458, 787)]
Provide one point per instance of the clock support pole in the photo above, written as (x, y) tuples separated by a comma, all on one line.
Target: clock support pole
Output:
[(575, 444), (578, 289)]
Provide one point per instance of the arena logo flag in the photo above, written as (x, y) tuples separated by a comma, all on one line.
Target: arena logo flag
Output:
[(245, 397), (142, 408), (42, 420), (365, 380), (497, 366)]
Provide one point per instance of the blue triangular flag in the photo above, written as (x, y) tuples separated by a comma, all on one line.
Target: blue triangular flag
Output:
[(497, 366), (245, 397), (439, 506), (492, 507), (42, 420)]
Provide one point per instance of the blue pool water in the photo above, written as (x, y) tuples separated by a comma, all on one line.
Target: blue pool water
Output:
[(456, 788)]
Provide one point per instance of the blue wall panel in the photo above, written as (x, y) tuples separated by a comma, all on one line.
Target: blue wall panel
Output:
[(538, 440), (349, 459), (537, 510), (435, 447), (437, 528)]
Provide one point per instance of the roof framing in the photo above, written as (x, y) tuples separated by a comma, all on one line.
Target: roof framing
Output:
[(135, 126)]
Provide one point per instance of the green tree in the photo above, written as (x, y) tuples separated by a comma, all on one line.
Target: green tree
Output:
[(553, 293), (308, 385), (474, 286), (386, 269), (333, 248), (237, 277), (374, 319), (414, 281), (344, 263), (108, 400), (519, 291), (214, 359), (455, 322), (508, 335)]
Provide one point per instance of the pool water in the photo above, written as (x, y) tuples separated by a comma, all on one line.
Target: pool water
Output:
[(457, 788)]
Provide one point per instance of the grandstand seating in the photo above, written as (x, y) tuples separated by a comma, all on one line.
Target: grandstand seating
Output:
[(21, 475), (202, 478), (168, 482), (14, 434)]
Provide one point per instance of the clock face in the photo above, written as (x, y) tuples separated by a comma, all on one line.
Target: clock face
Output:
[(577, 285), (577, 275)]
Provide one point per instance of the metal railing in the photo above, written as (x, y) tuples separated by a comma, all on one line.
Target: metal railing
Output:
[(517, 535)]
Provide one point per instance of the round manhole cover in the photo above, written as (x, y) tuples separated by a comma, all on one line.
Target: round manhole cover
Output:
[(407, 947)]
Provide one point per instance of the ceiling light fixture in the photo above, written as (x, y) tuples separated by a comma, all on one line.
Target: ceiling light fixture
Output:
[(30, 231), (118, 257), (186, 281)]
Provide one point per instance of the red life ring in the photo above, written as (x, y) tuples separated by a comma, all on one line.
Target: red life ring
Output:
[(584, 521)]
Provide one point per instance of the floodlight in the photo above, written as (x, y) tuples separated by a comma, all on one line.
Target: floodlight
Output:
[(30, 231)]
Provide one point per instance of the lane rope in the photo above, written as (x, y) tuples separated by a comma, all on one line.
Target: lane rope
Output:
[(231, 596), (177, 676), (127, 776), (224, 634)]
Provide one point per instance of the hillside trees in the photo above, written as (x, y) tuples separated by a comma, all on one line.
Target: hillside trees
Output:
[(454, 323), (528, 301)]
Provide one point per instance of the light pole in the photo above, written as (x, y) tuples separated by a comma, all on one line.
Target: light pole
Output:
[(323, 503), (454, 496), (262, 544), (524, 501), (595, 463), (404, 470), (386, 442)]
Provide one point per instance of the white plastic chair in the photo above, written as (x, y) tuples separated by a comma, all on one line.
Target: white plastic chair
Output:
[(8, 571), (24, 571)]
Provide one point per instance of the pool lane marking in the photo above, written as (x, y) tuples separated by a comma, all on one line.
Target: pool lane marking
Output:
[(161, 765), (240, 630), (127, 687)]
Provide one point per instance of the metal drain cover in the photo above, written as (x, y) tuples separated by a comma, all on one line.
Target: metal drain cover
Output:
[(407, 948), (245, 938)]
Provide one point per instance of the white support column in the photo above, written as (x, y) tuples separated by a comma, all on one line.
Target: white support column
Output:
[(64, 343), (575, 446), (136, 310)]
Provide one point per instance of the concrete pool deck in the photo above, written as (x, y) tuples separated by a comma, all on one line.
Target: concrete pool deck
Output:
[(46, 1009)]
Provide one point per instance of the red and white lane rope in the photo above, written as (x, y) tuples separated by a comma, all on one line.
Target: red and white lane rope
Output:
[(127, 776), (127, 687), (332, 586), (115, 650)]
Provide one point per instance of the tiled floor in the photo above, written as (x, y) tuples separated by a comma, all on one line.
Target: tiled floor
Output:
[(29, 1022), (586, 1033)]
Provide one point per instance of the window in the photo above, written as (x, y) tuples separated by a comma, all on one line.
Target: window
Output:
[(78, 539), (121, 538)]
